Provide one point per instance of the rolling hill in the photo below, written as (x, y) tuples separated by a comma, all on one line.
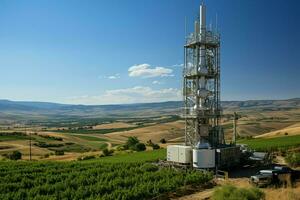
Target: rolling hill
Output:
[(34, 110)]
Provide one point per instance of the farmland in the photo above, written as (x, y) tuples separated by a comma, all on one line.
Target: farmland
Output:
[(81, 174), (116, 177), (137, 157), (87, 130), (272, 144)]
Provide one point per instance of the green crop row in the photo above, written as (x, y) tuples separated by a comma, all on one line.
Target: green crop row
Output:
[(272, 144), (105, 178)]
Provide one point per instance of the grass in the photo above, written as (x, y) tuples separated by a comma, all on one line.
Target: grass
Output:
[(145, 156), (228, 192), (97, 145), (71, 148), (93, 142), (90, 138), (272, 144), (293, 159), (13, 137)]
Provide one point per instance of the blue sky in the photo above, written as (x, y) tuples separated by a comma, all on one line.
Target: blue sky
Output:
[(128, 51)]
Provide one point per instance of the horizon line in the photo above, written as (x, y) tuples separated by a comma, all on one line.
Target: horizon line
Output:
[(69, 104)]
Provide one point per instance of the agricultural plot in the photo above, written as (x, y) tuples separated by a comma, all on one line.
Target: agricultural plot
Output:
[(95, 131), (12, 136), (145, 156), (105, 178), (90, 138), (272, 144), (45, 143)]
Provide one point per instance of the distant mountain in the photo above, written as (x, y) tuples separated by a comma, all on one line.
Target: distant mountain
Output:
[(33, 110), (27, 105), (23, 106), (288, 103)]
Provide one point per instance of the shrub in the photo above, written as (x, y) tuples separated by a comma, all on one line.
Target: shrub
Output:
[(122, 147), (163, 141), (139, 147), (155, 146), (150, 143), (50, 137), (59, 152), (15, 155), (132, 141), (107, 152), (229, 192), (293, 159), (47, 145), (134, 144)]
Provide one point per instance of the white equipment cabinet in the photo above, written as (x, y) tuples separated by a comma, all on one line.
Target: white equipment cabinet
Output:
[(204, 158), (179, 154)]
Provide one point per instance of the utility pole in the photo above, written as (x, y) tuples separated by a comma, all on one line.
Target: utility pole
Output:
[(29, 142), (30, 146), (235, 119)]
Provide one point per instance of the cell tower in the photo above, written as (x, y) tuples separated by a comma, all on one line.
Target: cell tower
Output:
[(205, 147), (201, 87)]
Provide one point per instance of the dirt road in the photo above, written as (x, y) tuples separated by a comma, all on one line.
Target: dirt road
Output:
[(271, 193)]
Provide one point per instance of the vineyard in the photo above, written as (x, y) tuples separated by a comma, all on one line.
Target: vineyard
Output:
[(93, 179), (272, 144)]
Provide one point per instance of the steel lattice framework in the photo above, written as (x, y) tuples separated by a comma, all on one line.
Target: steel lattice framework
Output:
[(201, 87)]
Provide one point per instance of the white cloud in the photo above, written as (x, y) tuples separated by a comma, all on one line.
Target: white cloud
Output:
[(115, 76), (145, 70), (138, 94), (112, 77), (178, 65), (156, 82)]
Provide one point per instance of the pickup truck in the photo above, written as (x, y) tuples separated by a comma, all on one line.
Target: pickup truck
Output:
[(276, 175), (262, 178)]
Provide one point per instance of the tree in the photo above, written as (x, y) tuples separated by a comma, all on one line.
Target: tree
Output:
[(140, 147), (131, 141), (15, 155), (163, 141)]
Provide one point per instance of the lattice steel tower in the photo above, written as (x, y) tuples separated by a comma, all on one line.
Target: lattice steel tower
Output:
[(201, 87)]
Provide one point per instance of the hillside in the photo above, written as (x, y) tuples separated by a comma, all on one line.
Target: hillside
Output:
[(81, 129), (20, 110), (290, 130)]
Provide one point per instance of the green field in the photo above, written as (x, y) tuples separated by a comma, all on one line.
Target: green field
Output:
[(12, 138), (126, 176), (90, 138), (145, 156), (96, 131), (272, 144), (7, 136)]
